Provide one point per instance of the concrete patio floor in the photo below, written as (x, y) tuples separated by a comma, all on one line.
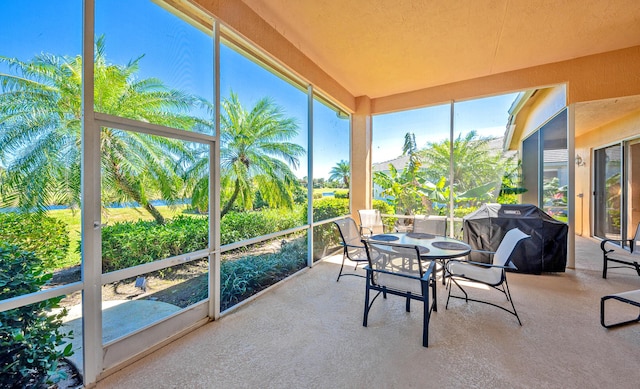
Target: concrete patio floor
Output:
[(308, 333)]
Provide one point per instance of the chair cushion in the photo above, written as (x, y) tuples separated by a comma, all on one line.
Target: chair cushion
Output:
[(487, 275), (632, 295), (619, 253), (399, 283)]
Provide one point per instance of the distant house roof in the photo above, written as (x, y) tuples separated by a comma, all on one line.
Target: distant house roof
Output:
[(399, 163), (556, 156)]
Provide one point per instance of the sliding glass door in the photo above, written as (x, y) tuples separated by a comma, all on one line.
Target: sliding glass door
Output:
[(545, 167), (616, 185), (608, 192), (633, 186)]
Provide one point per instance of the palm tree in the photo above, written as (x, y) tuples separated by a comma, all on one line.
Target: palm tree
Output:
[(404, 188), (40, 137), (474, 163), (341, 172), (255, 153)]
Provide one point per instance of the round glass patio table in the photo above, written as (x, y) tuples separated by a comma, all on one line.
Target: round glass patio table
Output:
[(439, 248)]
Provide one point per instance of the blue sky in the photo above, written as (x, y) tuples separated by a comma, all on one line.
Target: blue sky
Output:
[(182, 56), (487, 116)]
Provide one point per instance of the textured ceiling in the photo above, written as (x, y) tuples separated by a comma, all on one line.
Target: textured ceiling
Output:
[(594, 114), (383, 47)]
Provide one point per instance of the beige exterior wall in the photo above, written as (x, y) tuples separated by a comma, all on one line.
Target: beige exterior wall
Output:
[(536, 112), (595, 77), (624, 128), (548, 102)]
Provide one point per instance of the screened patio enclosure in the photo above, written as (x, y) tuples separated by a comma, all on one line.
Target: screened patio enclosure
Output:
[(124, 141)]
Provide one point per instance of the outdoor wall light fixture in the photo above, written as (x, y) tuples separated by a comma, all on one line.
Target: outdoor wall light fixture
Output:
[(580, 161)]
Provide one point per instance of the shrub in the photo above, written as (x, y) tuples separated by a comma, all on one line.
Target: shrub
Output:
[(246, 276), (328, 207), (341, 194), (463, 211), (238, 226), (385, 208), (127, 244), (30, 231), (326, 235), (30, 335)]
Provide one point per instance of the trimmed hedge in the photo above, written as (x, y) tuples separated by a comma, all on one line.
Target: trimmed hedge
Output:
[(326, 236), (129, 244), (327, 208), (238, 226), (47, 237), (341, 193)]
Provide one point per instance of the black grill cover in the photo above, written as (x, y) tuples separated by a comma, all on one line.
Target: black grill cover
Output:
[(545, 251)]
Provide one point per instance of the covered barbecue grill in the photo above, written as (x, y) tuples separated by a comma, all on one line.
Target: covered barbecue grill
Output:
[(545, 251)]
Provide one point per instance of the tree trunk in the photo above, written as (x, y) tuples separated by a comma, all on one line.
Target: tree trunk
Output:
[(154, 212), (134, 194), (227, 207)]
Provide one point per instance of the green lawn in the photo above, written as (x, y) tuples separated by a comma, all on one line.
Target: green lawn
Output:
[(109, 216), (327, 190)]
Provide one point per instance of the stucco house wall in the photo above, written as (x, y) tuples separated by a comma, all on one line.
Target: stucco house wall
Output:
[(624, 128)]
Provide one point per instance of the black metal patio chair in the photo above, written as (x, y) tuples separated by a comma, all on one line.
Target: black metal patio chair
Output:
[(398, 270), (614, 253), (353, 249), (631, 297)]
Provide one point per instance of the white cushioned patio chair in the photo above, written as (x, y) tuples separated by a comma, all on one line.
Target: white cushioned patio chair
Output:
[(614, 253), (353, 249), (370, 222), (436, 225), (492, 274), (398, 270)]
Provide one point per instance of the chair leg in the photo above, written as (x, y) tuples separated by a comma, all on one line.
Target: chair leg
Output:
[(407, 306), (341, 267), (506, 285), (434, 284), (619, 323), (466, 296), (604, 265), (505, 290), (366, 304), (426, 315)]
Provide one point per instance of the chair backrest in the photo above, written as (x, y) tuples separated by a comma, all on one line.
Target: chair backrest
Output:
[(635, 243), (371, 219), (351, 239), (394, 258), (349, 232), (507, 245), (436, 225)]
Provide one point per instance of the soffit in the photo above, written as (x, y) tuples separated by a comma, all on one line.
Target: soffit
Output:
[(379, 48), (595, 114)]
